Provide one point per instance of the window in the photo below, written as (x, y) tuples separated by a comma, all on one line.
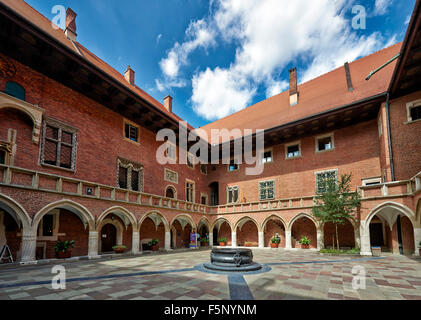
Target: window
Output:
[(15, 90), (292, 150), (267, 156), (267, 190), (415, 113), (323, 176), (189, 191), (203, 199), (233, 166), (171, 151), (2, 156), (204, 168), (130, 175), (47, 225), (170, 192), (131, 131), (58, 145), (324, 143), (232, 194), (190, 160)]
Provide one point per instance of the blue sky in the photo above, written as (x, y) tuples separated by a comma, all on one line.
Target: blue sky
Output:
[(220, 56)]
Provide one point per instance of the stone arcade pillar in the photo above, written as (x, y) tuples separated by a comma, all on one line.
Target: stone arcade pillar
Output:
[(28, 246), (417, 239), (93, 244), (167, 240), (135, 242), (365, 240), (357, 237), (288, 242), (211, 239), (233, 239), (261, 240), (320, 239)]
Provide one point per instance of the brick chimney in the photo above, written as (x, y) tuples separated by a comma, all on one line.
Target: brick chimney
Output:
[(293, 91), (129, 75), (168, 103), (70, 30), (348, 77)]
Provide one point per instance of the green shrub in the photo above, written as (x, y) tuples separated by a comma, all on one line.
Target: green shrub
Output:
[(338, 252), (153, 242), (275, 240), (305, 240), (224, 240), (63, 246), (119, 247)]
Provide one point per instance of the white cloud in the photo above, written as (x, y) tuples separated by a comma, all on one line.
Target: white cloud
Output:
[(408, 19), (381, 6), (268, 35), (159, 36)]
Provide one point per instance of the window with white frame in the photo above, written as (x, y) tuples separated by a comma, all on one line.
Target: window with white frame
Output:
[(414, 110), (129, 175), (322, 177), (267, 156), (325, 143), (190, 191), (267, 190), (232, 194), (171, 151), (292, 150), (233, 166)]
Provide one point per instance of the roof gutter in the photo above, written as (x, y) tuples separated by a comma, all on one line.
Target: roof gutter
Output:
[(382, 66), (389, 136)]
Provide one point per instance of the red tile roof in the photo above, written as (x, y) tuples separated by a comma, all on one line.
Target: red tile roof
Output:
[(323, 93)]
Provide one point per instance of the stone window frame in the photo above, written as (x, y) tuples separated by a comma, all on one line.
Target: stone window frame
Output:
[(61, 126), (167, 154), (204, 195), (371, 181), (130, 166), (171, 171), (316, 175), (271, 155), (56, 226), (204, 166), (194, 190), (174, 190), (7, 149), (409, 106), (298, 142), (133, 124), (274, 189), (231, 188), (322, 136)]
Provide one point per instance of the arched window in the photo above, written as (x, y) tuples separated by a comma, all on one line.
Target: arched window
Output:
[(15, 90), (170, 192)]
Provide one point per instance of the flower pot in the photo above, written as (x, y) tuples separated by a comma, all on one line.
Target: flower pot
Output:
[(64, 255), (204, 244), (155, 247), (248, 244), (305, 246), (274, 245), (119, 250), (222, 244)]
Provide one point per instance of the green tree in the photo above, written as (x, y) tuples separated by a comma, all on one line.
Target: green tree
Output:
[(335, 202)]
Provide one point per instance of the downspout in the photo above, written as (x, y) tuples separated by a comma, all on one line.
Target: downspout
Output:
[(392, 169)]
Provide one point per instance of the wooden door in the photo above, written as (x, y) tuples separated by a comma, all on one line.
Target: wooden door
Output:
[(108, 237)]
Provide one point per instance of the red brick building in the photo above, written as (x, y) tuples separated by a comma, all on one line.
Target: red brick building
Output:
[(78, 145)]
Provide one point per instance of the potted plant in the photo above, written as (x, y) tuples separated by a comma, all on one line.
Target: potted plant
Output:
[(248, 244), (63, 248), (274, 242), (305, 242), (153, 244), (222, 241), (119, 248), (204, 242)]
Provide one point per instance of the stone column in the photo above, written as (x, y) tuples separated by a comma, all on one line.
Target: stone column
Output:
[(211, 239), (261, 240), (167, 240), (28, 246), (135, 242), (365, 240), (417, 239), (320, 239), (357, 237), (93, 244), (288, 242), (234, 239)]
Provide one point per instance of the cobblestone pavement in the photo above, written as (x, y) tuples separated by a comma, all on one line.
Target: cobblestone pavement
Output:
[(293, 275)]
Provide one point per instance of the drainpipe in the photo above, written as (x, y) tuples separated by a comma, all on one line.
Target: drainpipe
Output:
[(392, 169)]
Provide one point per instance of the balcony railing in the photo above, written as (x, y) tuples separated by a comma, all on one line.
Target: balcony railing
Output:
[(34, 180)]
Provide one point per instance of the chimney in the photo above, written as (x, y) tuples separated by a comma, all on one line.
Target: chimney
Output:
[(168, 103), (348, 77), (129, 75), (293, 92), (70, 30)]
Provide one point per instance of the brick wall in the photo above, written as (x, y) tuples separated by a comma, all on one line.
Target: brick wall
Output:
[(304, 227), (248, 233), (345, 231)]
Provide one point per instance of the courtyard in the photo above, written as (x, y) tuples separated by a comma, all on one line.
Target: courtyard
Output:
[(287, 275)]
